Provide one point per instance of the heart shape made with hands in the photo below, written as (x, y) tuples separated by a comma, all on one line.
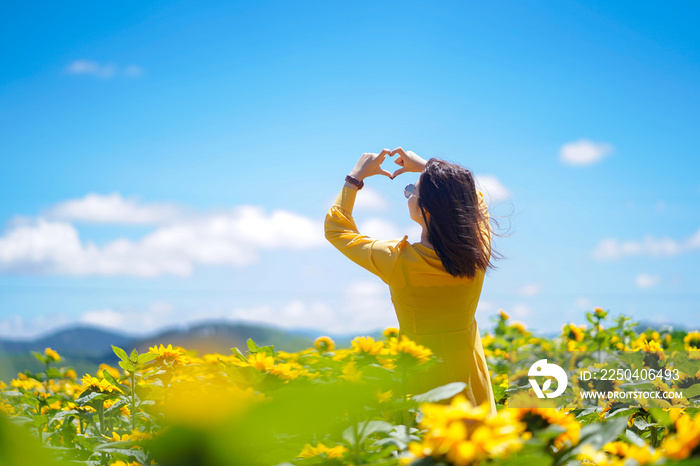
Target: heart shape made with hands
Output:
[(371, 163), (397, 160)]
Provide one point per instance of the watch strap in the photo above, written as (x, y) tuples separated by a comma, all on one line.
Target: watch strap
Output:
[(355, 181)]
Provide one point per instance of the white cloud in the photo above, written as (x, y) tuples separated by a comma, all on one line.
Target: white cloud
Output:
[(694, 241), (532, 289), (231, 237), (366, 306), (104, 318), (414, 232), (522, 310), (18, 327), (133, 71), (157, 316), (646, 281), (370, 199), (584, 152), (111, 208), (380, 228), (484, 310), (366, 200), (363, 307), (583, 303), (296, 313), (102, 70), (611, 248), (494, 191)]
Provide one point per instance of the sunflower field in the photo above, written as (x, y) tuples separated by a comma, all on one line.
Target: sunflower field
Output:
[(343, 406)]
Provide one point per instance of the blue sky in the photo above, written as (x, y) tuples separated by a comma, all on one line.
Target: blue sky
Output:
[(164, 163)]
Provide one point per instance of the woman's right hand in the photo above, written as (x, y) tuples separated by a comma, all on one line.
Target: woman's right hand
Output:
[(409, 162)]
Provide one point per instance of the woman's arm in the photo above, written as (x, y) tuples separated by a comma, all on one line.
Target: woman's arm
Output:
[(377, 256)]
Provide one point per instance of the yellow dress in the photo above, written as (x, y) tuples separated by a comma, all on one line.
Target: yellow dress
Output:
[(433, 308)]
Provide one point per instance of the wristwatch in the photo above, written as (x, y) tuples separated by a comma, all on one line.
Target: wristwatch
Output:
[(355, 181)]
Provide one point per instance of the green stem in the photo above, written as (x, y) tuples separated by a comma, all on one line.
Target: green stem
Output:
[(101, 412), (654, 437), (358, 459), (46, 382), (404, 412), (133, 401)]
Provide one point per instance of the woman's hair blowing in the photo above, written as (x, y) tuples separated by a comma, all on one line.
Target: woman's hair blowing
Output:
[(458, 229)]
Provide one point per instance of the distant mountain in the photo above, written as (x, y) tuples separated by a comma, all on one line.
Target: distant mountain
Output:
[(204, 337), (643, 325), (93, 343), (79, 339), (84, 348)]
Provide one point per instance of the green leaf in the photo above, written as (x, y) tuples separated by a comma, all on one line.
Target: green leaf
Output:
[(390, 441), (598, 434), (641, 424), (147, 357), (121, 354), (127, 365), (134, 356), (426, 461), (661, 416), (114, 446), (110, 378), (365, 429), (440, 393), (586, 411), (550, 432), (53, 373), (692, 391), (252, 347), (238, 353), (115, 407), (634, 438), (40, 357), (90, 397)]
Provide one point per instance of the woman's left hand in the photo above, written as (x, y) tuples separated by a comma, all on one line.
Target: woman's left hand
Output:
[(370, 164)]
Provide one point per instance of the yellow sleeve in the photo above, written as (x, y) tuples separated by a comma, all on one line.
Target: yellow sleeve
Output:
[(377, 256)]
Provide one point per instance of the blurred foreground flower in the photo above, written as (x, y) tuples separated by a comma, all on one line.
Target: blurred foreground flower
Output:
[(462, 433)]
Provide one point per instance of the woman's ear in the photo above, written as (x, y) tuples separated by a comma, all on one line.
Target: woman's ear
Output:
[(426, 214)]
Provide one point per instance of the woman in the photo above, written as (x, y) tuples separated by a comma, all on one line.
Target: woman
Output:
[(435, 284)]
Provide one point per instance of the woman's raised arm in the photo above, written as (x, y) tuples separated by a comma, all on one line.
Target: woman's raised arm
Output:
[(377, 256)]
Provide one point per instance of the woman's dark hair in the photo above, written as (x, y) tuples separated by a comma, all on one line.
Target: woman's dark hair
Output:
[(458, 229)]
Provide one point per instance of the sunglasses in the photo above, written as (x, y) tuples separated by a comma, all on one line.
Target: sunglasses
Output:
[(408, 191)]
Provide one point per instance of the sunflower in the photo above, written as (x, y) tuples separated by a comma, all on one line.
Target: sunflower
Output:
[(391, 332), (320, 449), (350, 372), (324, 344), (686, 441), (51, 354), (169, 356), (573, 332), (642, 455), (692, 341), (367, 345), (541, 418), (407, 347), (464, 434), (99, 385)]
